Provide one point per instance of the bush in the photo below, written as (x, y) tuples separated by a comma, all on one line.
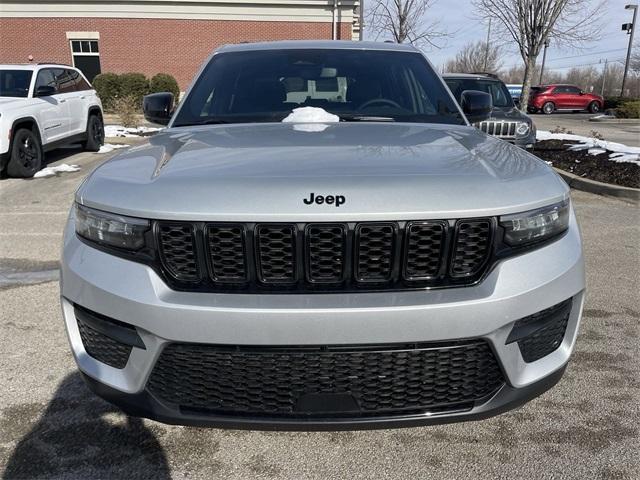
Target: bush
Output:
[(615, 102), (127, 109), (628, 109), (135, 86), (163, 82), (108, 87)]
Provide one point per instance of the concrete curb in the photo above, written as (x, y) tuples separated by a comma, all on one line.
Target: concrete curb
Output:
[(600, 188), (614, 121)]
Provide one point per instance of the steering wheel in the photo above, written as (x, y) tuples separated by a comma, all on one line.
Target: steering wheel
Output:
[(373, 101)]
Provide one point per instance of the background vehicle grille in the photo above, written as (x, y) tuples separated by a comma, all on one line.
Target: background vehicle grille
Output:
[(324, 257), (276, 381), (500, 129)]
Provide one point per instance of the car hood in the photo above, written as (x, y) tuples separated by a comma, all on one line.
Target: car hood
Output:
[(262, 172), (508, 113)]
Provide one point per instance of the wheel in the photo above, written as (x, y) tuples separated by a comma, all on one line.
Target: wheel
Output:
[(594, 107), (95, 134), (26, 154), (548, 108)]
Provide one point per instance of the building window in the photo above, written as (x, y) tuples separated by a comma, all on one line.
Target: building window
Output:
[(86, 57)]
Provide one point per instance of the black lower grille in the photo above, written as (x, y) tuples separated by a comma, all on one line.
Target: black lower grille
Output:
[(547, 331), (103, 348), (284, 381), (316, 257)]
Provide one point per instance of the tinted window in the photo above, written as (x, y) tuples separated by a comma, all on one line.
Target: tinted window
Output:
[(46, 78), (81, 83), (498, 90), (66, 82), (573, 90), (263, 86), (560, 90), (15, 83)]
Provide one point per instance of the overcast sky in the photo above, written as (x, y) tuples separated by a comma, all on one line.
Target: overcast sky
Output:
[(459, 19)]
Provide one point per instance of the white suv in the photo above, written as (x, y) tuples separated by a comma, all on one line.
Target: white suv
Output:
[(42, 107)]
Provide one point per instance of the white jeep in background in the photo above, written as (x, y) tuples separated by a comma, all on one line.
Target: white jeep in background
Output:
[(44, 106)]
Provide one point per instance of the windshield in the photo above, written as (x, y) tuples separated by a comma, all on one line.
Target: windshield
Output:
[(15, 83), (498, 90), (266, 85)]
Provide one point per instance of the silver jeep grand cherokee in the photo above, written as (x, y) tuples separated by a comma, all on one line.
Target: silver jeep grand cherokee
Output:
[(373, 261)]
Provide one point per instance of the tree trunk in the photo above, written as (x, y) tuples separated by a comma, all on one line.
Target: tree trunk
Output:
[(529, 72)]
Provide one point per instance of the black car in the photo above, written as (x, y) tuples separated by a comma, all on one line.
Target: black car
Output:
[(506, 121)]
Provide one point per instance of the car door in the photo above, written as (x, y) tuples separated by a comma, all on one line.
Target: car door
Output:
[(51, 109), (561, 98), (578, 100), (68, 85)]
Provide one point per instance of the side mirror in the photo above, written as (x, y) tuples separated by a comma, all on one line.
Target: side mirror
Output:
[(45, 91), (476, 105), (158, 107)]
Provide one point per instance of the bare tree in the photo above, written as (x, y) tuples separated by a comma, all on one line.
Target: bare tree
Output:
[(405, 21), (472, 59), (529, 23)]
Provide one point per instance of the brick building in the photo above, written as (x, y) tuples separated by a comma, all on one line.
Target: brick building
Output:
[(153, 36)]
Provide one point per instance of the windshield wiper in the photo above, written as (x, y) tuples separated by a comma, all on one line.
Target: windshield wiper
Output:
[(347, 117), (208, 121)]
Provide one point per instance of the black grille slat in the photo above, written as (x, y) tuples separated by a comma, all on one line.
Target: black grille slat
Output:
[(276, 253), (226, 244), (472, 247), (375, 249), (424, 250), (270, 381), (177, 246), (316, 257), (325, 253)]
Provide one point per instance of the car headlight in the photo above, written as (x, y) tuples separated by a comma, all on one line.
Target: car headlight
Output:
[(109, 229), (536, 225), (522, 129)]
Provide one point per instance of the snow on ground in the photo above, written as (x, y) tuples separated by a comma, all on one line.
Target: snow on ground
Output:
[(120, 131), (51, 171), (110, 147), (618, 151)]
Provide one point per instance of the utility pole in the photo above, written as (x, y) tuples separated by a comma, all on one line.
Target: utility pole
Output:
[(486, 52), (544, 58), (630, 28), (604, 76)]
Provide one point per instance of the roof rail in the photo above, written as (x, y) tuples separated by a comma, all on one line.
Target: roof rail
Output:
[(488, 74), (53, 63)]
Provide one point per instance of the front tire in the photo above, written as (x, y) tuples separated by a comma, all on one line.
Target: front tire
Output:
[(95, 133), (594, 107), (26, 154), (548, 108)]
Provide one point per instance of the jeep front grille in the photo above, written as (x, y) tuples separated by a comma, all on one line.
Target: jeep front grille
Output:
[(324, 256), (501, 129)]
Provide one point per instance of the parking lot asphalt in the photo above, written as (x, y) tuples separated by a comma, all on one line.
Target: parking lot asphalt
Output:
[(579, 124), (51, 426)]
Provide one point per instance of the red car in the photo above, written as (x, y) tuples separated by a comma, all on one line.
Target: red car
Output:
[(549, 98)]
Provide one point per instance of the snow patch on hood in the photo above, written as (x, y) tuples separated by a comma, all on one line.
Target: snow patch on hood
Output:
[(310, 115)]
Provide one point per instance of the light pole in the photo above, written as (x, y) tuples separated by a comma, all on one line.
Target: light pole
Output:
[(544, 58), (630, 29)]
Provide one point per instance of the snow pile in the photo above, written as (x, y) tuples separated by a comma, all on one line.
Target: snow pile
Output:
[(120, 131), (618, 151), (110, 147), (310, 115), (51, 171)]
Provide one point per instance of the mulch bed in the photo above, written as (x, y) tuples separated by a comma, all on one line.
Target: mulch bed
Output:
[(595, 167)]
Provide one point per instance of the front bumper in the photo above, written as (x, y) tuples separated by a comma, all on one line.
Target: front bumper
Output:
[(132, 293)]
